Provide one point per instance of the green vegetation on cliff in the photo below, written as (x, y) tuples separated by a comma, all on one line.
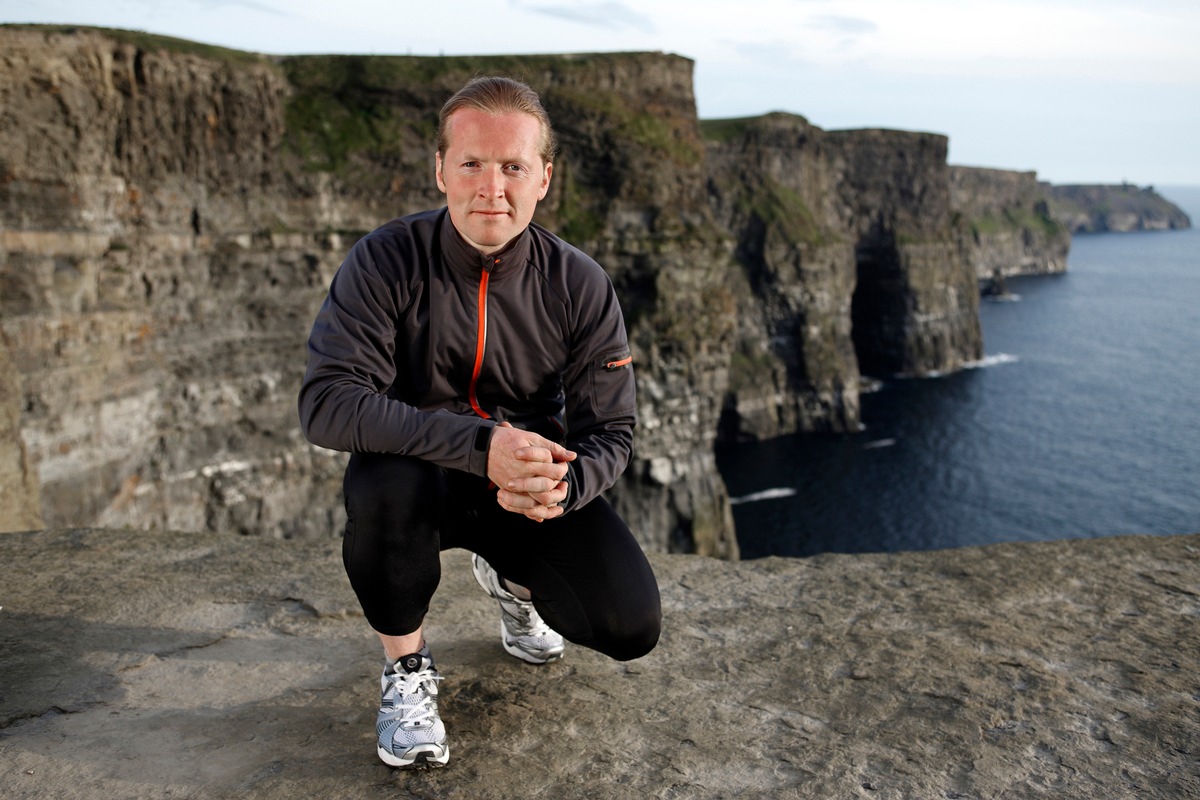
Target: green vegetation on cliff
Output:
[(1120, 207), (343, 105), (725, 130), (1016, 219), (783, 209), (149, 41), (721, 131)]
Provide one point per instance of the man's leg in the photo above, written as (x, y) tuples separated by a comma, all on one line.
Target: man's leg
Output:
[(392, 557), (587, 574), (391, 545)]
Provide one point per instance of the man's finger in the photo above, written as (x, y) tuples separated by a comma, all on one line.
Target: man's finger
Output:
[(535, 453), (533, 485)]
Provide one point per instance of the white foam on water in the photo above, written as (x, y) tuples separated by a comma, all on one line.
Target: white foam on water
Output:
[(991, 361), (878, 443), (765, 494)]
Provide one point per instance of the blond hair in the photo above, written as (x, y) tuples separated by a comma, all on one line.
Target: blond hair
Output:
[(497, 95)]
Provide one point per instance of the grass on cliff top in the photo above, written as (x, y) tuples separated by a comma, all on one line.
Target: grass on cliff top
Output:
[(149, 41), (1018, 219), (730, 128), (346, 104), (1108, 198), (341, 105)]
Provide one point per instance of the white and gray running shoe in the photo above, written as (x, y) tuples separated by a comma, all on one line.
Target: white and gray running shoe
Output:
[(410, 731), (523, 632)]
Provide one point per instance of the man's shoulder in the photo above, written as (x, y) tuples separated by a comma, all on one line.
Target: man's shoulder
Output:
[(421, 226), (559, 254), (403, 240)]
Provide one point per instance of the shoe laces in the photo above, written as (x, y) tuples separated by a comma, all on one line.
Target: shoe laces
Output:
[(421, 686)]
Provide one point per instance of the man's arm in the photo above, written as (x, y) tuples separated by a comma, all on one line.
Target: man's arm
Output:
[(343, 401), (601, 399)]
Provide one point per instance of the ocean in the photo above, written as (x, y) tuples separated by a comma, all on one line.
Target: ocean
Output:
[(1082, 420)]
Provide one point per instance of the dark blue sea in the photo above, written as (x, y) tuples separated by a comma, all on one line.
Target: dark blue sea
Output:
[(1083, 420)]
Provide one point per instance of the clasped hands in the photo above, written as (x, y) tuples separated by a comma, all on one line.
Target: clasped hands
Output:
[(528, 471)]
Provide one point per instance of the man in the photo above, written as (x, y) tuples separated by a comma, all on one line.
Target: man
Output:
[(477, 369)]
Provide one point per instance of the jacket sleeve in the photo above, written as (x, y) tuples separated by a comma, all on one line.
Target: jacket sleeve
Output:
[(601, 401), (343, 400)]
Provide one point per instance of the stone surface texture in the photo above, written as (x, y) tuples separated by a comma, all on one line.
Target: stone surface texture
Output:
[(141, 664)]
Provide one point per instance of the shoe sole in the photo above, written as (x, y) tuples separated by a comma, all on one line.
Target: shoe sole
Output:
[(418, 756), (525, 655)]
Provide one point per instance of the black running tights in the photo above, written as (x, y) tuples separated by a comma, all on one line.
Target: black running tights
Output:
[(589, 578)]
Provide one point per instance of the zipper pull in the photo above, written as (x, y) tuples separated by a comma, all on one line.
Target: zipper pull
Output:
[(610, 366)]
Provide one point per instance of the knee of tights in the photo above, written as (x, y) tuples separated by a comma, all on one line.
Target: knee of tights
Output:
[(632, 641)]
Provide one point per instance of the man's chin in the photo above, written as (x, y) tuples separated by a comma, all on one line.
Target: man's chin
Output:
[(492, 235)]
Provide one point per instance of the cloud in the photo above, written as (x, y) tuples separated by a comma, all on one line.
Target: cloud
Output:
[(254, 6), (612, 15), (850, 26)]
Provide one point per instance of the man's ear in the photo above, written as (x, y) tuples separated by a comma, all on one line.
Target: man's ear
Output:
[(546, 180), (437, 171)]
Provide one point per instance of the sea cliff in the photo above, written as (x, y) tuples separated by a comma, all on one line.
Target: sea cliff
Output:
[(1007, 224), (1120, 208), (846, 264), (170, 215)]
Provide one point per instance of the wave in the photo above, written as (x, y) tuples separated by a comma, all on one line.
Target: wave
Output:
[(878, 443), (991, 361), (765, 494)]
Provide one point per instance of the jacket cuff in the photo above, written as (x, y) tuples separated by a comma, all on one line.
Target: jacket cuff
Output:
[(568, 502), (478, 458)]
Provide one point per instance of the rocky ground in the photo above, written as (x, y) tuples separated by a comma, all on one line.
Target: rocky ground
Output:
[(179, 665)]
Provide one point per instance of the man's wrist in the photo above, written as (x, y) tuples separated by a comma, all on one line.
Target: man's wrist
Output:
[(480, 447)]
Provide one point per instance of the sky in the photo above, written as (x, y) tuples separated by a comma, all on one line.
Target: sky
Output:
[(1080, 91)]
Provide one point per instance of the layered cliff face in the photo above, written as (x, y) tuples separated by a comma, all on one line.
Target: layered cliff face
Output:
[(1006, 223), (1092, 208), (152, 302), (848, 263), (170, 221), (171, 215)]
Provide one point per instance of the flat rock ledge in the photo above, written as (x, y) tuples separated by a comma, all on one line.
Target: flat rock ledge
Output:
[(184, 665)]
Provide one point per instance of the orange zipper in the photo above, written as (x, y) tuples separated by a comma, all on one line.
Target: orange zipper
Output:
[(480, 343), (618, 364)]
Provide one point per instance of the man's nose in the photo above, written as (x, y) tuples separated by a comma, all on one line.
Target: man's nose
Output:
[(492, 183)]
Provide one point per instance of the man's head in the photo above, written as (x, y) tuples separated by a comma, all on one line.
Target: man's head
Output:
[(494, 160), (496, 95)]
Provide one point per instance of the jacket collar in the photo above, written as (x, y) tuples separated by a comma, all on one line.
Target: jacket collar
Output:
[(462, 256)]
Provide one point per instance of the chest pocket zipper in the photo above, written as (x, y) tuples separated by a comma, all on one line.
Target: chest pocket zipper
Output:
[(622, 362)]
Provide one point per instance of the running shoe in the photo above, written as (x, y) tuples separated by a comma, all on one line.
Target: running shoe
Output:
[(523, 632), (410, 731)]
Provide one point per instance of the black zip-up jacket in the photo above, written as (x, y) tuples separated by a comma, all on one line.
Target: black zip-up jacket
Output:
[(424, 344)]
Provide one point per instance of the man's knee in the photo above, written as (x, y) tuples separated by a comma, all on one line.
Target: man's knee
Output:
[(637, 641), (629, 635)]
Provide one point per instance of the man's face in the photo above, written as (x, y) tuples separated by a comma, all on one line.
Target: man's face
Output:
[(492, 174)]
